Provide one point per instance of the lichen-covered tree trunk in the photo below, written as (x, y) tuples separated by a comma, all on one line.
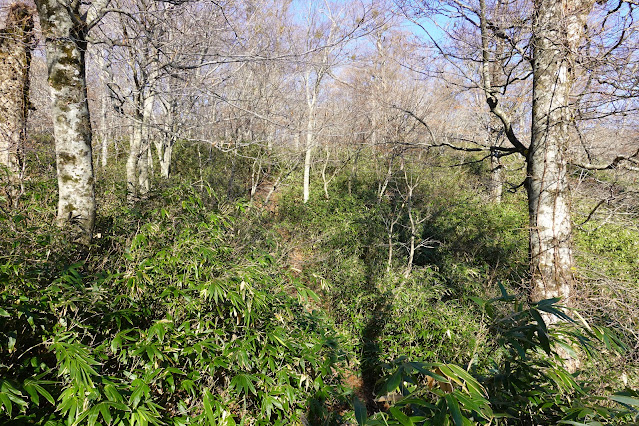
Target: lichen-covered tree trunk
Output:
[(557, 31), (16, 41), (65, 41)]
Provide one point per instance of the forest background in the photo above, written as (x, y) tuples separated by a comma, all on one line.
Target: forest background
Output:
[(286, 212)]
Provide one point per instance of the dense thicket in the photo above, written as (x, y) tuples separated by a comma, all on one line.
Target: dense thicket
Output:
[(199, 308)]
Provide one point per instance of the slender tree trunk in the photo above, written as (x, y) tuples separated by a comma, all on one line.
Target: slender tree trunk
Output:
[(256, 175), (16, 41), (145, 164), (307, 158), (413, 229), (104, 109), (557, 30), (496, 177), (132, 160), (326, 181), (384, 184), (165, 155), (389, 234), (65, 42)]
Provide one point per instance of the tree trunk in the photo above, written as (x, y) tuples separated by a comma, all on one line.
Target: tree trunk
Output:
[(326, 181), (164, 147), (132, 160), (557, 30), (104, 109), (16, 41), (145, 164), (137, 166), (496, 177), (65, 42), (413, 227), (165, 156), (307, 158)]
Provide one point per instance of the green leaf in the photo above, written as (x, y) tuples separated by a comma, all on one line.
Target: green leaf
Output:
[(393, 381), (402, 418), (208, 408), (455, 412), (6, 403), (478, 300), (243, 383), (626, 400), (360, 411)]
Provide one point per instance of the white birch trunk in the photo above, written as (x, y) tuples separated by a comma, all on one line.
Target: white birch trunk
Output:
[(65, 43), (413, 227)]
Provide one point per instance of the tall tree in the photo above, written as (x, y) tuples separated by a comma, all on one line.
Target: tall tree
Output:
[(16, 40), (65, 27), (558, 30), (546, 50)]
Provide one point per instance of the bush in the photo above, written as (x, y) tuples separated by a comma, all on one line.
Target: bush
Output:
[(526, 382), (183, 332)]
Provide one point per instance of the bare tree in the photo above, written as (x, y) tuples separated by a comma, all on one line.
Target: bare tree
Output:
[(541, 40)]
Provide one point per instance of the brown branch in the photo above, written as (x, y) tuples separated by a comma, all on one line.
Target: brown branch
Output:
[(613, 165)]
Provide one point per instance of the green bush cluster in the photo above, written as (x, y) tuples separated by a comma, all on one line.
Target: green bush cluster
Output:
[(185, 330), (197, 306)]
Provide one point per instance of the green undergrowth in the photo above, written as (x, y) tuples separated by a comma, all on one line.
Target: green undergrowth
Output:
[(199, 306), (167, 320)]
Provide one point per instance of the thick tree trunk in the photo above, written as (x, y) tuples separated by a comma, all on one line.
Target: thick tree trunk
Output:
[(16, 41), (557, 30), (145, 163), (65, 42)]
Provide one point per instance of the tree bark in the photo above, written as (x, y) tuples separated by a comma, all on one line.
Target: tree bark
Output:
[(16, 41), (105, 105), (137, 166), (65, 41), (496, 177), (557, 30)]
